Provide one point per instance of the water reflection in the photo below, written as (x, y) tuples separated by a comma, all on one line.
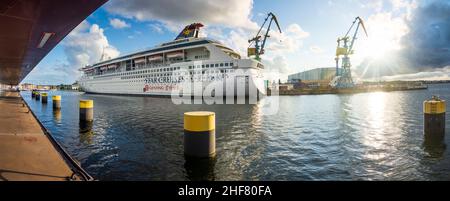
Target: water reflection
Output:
[(86, 137), (200, 169), (86, 126), (369, 136), (376, 107), (57, 115), (434, 145), (86, 132)]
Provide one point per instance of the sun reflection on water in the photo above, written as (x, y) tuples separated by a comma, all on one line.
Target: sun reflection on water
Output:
[(376, 106)]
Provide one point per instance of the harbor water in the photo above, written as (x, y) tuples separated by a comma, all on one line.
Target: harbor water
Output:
[(366, 136)]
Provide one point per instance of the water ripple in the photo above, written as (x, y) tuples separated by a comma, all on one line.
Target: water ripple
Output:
[(370, 136)]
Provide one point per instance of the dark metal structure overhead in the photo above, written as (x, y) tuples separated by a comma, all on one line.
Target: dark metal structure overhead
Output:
[(30, 29)]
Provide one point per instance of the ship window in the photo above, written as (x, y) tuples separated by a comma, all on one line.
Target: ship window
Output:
[(216, 65), (207, 65), (221, 64), (203, 66), (231, 64), (226, 64)]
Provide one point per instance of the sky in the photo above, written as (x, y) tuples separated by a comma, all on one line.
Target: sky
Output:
[(407, 39)]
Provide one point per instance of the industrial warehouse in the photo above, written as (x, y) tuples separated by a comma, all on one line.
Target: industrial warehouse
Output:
[(322, 76)]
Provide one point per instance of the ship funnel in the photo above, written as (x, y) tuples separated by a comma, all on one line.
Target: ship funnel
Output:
[(190, 31)]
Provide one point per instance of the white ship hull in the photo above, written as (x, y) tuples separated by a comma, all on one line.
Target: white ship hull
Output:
[(187, 66), (247, 83)]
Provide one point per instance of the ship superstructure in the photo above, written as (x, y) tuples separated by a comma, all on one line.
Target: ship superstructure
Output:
[(168, 67)]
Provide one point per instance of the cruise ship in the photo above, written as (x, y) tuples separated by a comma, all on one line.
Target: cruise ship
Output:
[(187, 66)]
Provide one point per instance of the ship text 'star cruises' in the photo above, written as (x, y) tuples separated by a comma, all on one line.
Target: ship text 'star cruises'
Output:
[(188, 66)]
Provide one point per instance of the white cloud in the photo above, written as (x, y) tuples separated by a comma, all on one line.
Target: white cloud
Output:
[(289, 41), (157, 28), (384, 35), (277, 48), (228, 21), (437, 74), (316, 49), (118, 23), (232, 13), (376, 5), (279, 64), (86, 44)]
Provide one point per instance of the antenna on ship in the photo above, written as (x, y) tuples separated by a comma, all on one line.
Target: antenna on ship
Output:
[(103, 54)]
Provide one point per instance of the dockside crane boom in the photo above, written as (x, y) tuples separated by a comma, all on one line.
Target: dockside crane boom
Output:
[(344, 48), (258, 50)]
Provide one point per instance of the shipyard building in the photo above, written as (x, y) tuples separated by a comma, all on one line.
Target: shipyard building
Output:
[(314, 75)]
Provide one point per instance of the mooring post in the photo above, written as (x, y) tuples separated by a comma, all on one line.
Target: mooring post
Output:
[(44, 98), (86, 110), (434, 119), (200, 134), (56, 99)]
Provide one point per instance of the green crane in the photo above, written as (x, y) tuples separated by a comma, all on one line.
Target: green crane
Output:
[(344, 48), (258, 50)]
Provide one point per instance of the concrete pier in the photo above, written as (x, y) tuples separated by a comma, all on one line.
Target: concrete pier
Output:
[(26, 152)]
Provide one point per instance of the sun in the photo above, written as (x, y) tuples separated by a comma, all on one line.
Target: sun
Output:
[(384, 37)]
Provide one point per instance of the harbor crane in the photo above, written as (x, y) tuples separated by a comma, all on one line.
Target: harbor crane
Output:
[(344, 48), (258, 50)]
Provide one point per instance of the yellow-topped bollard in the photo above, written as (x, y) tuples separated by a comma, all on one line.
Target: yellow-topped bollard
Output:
[(86, 110), (434, 118), (38, 96), (44, 98), (200, 134), (56, 102), (33, 94)]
